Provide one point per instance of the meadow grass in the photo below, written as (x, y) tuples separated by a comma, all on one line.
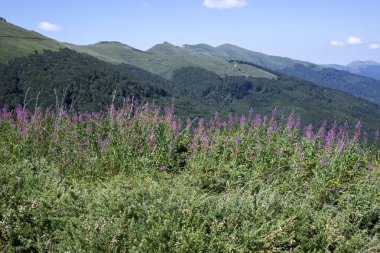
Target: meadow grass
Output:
[(137, 179)]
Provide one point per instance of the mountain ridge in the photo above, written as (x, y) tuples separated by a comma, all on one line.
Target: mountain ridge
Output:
[(367, 68), (223, 78), (354, 84)]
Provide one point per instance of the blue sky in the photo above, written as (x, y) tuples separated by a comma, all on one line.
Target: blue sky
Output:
[(321, 31)]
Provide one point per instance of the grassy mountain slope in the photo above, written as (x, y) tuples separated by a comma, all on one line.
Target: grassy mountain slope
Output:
[(356, 85), (16, 42), (164, 59)]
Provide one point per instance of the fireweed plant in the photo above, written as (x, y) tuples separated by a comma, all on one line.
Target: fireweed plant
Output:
[(137, 179)]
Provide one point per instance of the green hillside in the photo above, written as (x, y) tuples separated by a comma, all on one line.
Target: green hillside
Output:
[(164, 59), (16, 42), (356, 85), (237, 94), (79, 80), (204, 79), (88, 84)]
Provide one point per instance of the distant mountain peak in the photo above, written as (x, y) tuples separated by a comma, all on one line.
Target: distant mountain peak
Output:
[(108, 42), (200, 45), (166, 48), (362, 63), (228, 45)]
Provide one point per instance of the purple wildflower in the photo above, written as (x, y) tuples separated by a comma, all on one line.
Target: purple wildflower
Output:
[(273, 119), (358, 127), (173, 125), (298, 123), (230, 120), (205, 141), (201, 126), (322, 129), (99, 139), (324, 162), (291, 121), (270, 132), (341, 145), (250, 113), (257, 121), (22, 121), (309, 132), (329, 140), (106, 143), (243, 121)]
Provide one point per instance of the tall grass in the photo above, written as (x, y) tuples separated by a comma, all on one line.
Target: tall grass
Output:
[(137, 179)]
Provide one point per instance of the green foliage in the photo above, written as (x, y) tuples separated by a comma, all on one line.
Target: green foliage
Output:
[(134, 180)]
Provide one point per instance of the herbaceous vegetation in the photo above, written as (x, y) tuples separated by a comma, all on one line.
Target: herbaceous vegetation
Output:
[(138, 179)]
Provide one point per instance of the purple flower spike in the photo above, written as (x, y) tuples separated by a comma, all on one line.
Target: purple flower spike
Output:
[(243, 121), (257, 121), (329, 140), (322, 129), (309, 132), (341, 145), (298, 123), (291, 121), (250, 113), (358, 127), (230, 120)]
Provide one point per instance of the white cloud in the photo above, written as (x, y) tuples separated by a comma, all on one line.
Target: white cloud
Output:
[(352, 40), (336, 43), (374, 46), (224, 4), (44, 25)]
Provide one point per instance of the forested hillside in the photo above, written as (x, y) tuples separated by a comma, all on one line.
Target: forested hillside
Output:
[(359, 86), (79, 81), (75, 80)]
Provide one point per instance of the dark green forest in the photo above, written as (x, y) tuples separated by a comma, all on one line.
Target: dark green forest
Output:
[(75, 80), (237, 94)]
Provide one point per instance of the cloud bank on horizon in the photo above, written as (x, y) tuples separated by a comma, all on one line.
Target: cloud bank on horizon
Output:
[(352, 41), (224, 4), (47, 26)]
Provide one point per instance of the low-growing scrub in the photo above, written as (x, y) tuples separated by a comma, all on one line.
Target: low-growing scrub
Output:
[(136, 179)]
